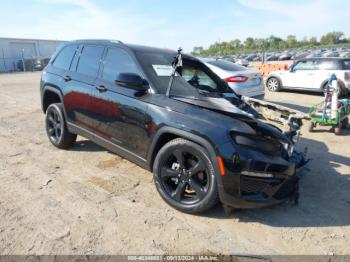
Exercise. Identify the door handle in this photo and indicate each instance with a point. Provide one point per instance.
(67, 78)
(101, 88)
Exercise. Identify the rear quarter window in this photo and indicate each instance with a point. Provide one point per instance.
(64, 58)
(346, 64)
(329, 65)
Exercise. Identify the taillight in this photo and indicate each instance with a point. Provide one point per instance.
(346, 76)
(236, 79)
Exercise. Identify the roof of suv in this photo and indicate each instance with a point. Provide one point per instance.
(109, 41)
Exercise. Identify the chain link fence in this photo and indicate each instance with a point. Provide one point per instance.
(22, 63)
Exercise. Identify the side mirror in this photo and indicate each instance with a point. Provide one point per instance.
(132, 81)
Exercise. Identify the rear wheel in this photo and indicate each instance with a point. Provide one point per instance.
(184, 176)
(273, 84)
(56, 127)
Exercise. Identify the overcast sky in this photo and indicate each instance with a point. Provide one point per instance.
(166, 23)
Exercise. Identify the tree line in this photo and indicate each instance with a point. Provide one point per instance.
(271, 43)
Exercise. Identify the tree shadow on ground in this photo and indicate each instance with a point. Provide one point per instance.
(324, 195)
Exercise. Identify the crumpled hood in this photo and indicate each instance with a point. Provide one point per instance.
(241, 111)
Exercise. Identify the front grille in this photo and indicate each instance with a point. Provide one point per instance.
(287, 188)
(251, 186)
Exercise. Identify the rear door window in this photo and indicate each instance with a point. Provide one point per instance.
(305, 65)
(117, 61)
(64, 59)
(89, 60)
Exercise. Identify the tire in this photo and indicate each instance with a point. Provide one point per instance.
(184, 176)
(311, 126)
(273, 84)
(345, 123)
(56, 127)
(338, 129)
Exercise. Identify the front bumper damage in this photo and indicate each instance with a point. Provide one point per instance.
(257, 179)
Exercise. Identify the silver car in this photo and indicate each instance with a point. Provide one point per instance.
(242, 80)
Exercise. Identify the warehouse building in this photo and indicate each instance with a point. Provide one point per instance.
(17, 53)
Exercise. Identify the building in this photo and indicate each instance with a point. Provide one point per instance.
(14, 52)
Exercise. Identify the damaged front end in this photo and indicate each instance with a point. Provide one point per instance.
(289, 121)
(262, 165)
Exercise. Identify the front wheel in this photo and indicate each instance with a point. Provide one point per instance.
(273, 84)
(56, 127)
(184, 176)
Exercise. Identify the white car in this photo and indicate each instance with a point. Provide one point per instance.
(311, 74)
(242, 80)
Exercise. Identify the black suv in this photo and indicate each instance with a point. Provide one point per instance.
(202, 142)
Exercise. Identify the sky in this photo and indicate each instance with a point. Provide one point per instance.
(170, 24)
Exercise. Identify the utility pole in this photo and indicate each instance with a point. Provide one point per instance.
(23, 64)
(3, 57)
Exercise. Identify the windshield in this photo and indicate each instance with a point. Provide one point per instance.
(193, 79)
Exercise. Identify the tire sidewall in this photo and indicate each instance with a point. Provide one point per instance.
(278, 82)
(57, 108)
(200, 206)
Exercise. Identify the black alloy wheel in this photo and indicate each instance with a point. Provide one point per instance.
(185, 177)
(56, 128)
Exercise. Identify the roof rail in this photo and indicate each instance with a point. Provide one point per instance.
(99, 40)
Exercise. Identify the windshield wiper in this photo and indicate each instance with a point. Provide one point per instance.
(176, 64)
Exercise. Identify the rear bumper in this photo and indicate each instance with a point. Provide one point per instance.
(254, 91)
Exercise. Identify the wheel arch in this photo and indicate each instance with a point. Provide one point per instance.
(274, 76)
(50, 95)
(341, 84)
(165, 134)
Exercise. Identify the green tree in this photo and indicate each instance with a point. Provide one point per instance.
(292, 41)
(249, 43)
(197, 50)
(271, 43)
(313, 41)
(332, 38)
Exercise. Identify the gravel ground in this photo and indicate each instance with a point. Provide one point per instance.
(87, 200)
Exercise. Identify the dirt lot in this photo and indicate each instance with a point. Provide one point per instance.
(89, 201)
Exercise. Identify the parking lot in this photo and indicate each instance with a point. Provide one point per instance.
(87, 200)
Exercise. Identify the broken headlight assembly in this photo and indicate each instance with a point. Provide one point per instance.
(258, 143)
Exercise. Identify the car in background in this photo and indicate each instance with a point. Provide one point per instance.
(32, 64)
(242, 62)
(311, 74)
(242, 80)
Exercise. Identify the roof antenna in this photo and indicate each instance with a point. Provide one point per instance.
(176, 63)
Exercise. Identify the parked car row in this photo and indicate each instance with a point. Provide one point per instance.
(246, 58)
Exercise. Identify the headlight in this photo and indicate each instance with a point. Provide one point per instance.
(262, 144)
